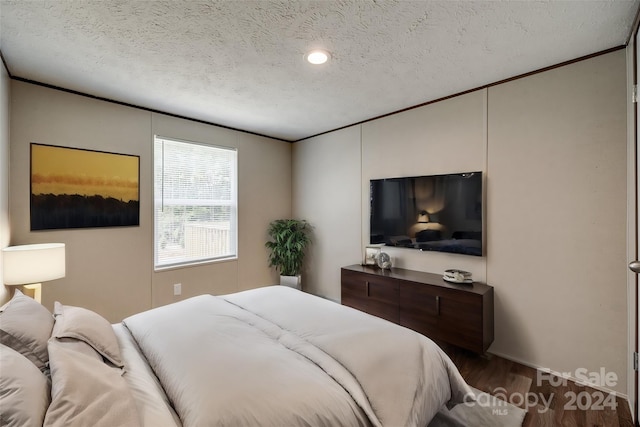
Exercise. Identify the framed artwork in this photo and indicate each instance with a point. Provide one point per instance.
(371, 255)
(77, 188)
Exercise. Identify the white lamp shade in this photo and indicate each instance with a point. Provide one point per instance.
(27, 264)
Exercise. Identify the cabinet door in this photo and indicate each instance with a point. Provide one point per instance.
(445, 315)
(372, 294)
(382, 298)
(354, 290)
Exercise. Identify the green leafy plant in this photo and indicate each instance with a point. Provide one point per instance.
(289, 239)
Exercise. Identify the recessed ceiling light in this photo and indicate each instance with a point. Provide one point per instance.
(317, 56)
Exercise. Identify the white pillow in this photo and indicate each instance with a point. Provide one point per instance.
(25, 326)
(88, 326)
(24, 390)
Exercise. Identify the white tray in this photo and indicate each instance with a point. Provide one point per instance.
(448, 279)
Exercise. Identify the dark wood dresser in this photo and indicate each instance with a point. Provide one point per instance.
(458, 314)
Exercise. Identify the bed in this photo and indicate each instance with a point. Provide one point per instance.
(271, 356)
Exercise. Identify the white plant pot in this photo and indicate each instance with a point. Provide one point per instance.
(291, 281)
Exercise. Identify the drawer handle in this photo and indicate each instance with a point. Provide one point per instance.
(367, 288)
(438, 306)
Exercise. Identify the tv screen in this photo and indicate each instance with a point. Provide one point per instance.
(430, 213)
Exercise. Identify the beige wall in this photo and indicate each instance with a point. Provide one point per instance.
(557, 219)
(444, 137)
(553, 149)
(5, 231)
(326, 192)
(264, 178)
(110, 270)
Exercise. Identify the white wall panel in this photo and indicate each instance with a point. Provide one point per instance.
(557, 217)
(439, 138)
(326, 192)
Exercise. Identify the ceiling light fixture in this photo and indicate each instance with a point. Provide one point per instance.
(317, 56)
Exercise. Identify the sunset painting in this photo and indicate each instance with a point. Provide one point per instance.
(75, 188)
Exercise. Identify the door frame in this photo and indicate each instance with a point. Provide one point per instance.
(633, 45)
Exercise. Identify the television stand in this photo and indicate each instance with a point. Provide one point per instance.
(457, 314)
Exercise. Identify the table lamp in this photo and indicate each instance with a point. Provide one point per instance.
(29, 265)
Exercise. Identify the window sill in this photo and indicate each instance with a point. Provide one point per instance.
(195, 264)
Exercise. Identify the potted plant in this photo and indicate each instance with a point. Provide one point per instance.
(289, 239)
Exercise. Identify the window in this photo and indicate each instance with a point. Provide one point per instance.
(195, 202)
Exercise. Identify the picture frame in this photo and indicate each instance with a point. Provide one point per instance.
(80, 188)
(371, 254)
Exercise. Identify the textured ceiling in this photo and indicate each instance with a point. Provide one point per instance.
(240, 63)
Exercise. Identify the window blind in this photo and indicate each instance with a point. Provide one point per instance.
(195, 202)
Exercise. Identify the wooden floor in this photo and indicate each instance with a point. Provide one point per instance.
(556, 406)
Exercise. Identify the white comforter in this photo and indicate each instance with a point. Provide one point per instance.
(279, 357)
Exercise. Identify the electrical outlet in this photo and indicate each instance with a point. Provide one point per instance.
(177, 289)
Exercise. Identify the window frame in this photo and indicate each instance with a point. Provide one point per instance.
(233, 204)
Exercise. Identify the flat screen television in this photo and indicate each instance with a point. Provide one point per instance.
(430, 213)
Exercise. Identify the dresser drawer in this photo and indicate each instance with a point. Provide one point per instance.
(442, 314)
(376, 296)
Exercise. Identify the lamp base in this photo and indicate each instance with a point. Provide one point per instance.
(34, 291)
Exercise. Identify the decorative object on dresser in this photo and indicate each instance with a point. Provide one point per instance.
(289, 240)
(29, 265)
(384, 261)
(371, 255)
(457, 276)
(458, 314)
